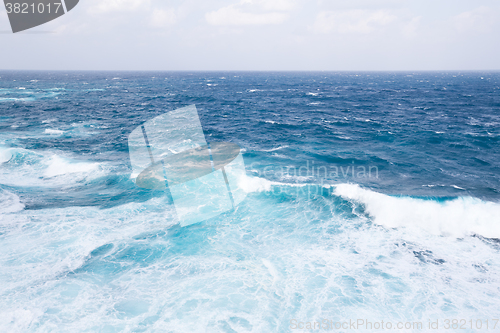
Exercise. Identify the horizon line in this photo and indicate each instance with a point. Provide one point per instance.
(253, 70)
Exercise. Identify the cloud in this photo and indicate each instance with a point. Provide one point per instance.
(277, 5)
(481, 20)
(410, 28)
(249, 12)
(163, 18)
(104, 6)
(352, 21)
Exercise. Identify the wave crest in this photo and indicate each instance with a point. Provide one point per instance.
(460, 217)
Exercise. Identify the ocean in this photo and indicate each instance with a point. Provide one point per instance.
(370, 197)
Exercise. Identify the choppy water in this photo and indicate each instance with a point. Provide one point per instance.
(370, 195)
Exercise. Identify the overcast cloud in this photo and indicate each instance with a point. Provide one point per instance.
(261, 35)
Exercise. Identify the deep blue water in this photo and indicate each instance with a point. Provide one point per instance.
(370, 195)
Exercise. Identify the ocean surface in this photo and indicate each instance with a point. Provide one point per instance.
(372, 196)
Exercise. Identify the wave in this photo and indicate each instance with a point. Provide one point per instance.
(9, 203)
(24, 95)
(5, 155)
(59, 166)
(274, 149)
(254, 184)
(460, 217)
(22, 167)
(13, 99)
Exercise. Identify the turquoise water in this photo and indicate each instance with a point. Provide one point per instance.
(369, 196)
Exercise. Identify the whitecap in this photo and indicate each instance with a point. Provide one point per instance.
(48, 169)
(5, 155)
(53, 131)
(254, 184)
(463, 216)
(10, 203)
(13, 99)
(59, 166)
(274, 149)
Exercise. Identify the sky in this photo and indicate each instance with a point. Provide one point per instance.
(268, 35)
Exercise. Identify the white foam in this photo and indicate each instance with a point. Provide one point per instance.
(257, 184)
(254, 184)
(53, 131)
(53, 242)
(274, 149)
(272, 270)
(18, 320)
(460, 217)
(47, 169)
(297, 256)
(7, 99)
(10, 203)
(5, 155)
(59, 166)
